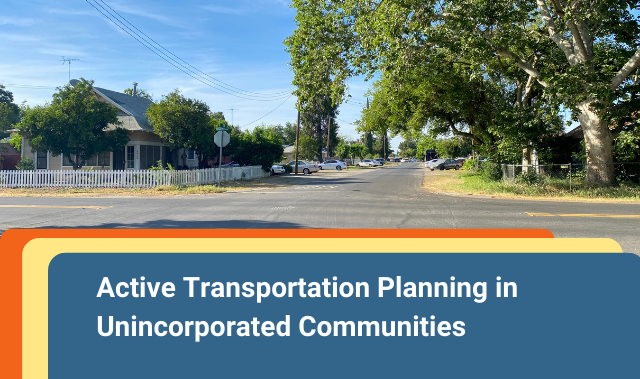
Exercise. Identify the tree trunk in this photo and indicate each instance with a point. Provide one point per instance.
(598, 141)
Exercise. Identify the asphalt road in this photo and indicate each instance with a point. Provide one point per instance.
(391, 197)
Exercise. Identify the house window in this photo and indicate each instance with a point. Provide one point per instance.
(41, 161)
(130, 156)
(104, 159)
(191, 155)
(149, 156)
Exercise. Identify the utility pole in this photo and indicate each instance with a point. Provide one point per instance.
(68, 60)
(295, 170)
(329, 139)
(384, 146)
(232, 109)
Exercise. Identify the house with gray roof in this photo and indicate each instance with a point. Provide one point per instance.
(144, 150)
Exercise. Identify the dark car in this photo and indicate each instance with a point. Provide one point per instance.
(448, 164)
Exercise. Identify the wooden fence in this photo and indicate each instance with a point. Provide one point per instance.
(125, 178)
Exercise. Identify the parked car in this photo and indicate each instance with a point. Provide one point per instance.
(304, 167)
(461, 160)
(231, 164)
(433, 163)
(404, 160)
(277, 169)
(414, 160)
(368, 163)
(444, 164)
(332, 165)
(379, 160)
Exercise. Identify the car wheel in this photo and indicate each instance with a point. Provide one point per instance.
(431, 169)
(320, 167)
(457, 167)
(306, 171)
(339, 168)
(272, 173)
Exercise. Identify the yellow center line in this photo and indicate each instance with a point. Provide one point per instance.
(580, 215)
(57, 206)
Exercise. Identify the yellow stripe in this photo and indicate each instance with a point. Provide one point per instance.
(56, 206)
(580, 215)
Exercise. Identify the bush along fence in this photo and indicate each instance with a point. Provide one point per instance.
(570, 172)
(125, 178)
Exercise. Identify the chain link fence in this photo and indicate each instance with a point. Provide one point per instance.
(569, 173)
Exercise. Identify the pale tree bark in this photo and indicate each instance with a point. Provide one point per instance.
(579, 50)
(598, 143)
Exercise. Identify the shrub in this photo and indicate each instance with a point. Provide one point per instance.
(288, 169)
(530, 178)
(470, 165)
(491, 171)
(26, 164)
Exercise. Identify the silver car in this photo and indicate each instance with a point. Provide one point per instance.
(304, 167)
(277, 169)
(369, 163)
(332, 165)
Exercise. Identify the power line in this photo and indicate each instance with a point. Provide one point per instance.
(230, 87)
(26, 86)
(269, 112)
(172, 61)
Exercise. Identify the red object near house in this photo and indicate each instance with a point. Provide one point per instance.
(214, 162)
(9, 157)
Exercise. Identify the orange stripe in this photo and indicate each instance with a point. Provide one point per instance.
(13, 241)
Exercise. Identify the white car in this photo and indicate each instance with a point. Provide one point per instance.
(304, 167)
(277, 169)
(368, 163)
(432, 164)
(403, 160)
(332, 165)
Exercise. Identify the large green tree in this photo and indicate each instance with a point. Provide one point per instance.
(75, 124)
(9, 111)
(261, 146)
(184, 123)
(579, 53)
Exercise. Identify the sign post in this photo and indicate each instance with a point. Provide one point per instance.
(221, 139)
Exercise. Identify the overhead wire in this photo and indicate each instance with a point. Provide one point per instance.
(171, 61)
(273, 110)
(26, 86)
(230, 87)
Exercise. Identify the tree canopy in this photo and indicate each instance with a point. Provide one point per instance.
(532, 56)
(9, 111)
(184, 123)
(75, 124)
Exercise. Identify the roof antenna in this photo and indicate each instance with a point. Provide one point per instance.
(68, 60)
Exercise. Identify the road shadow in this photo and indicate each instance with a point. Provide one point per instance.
(174, 224)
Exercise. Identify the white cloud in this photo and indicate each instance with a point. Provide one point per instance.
(16, 21)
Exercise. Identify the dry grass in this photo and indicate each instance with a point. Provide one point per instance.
(467, 184)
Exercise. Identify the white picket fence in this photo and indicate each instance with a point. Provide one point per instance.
(125, 178)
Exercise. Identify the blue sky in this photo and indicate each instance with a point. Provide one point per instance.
(238, 42)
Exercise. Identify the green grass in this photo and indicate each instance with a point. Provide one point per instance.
(471, 182)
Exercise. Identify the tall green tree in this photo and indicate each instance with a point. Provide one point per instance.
(580, 54)
(318, 123)
(184, 123)
(9, 111)
(75, 124)
(262, 146)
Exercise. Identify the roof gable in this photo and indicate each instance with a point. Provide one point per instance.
(133, 106)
